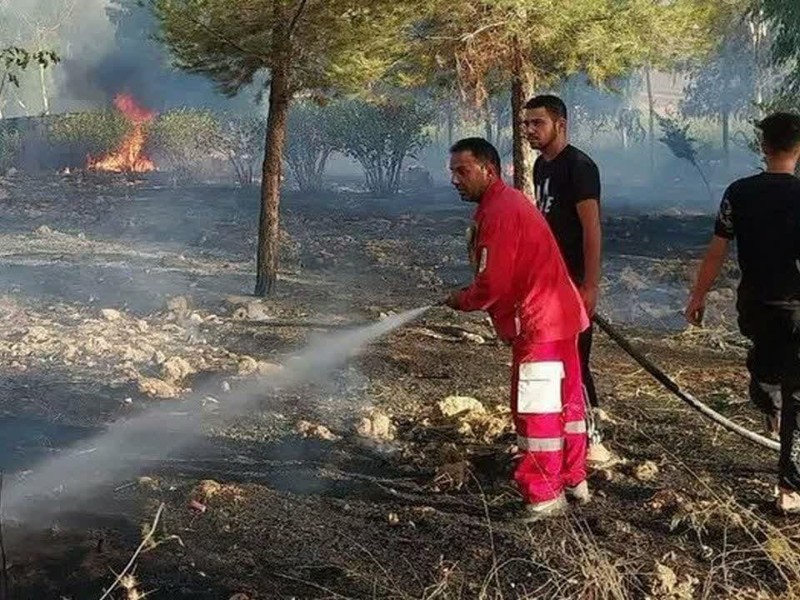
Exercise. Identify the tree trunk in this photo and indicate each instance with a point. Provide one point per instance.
(487, 122)
(651, 121)
(268, 228)
(45, 99)
(726, 138)
(450, 126)
(521, 88)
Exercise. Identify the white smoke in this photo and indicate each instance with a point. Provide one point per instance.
(112, 455)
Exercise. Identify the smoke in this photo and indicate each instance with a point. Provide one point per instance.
(117, 453)
(106, 47)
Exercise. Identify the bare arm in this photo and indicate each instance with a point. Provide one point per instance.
(710, 269)
(589, 214)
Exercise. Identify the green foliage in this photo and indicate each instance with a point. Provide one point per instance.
(89, 133)
(14, 59)
(183, 138)
(681, 144)
(677, 138)
(602, 38)
(784, 16)
(725, 85)
(241, 138)
(380, 137)
(332, 45)
(310, 142)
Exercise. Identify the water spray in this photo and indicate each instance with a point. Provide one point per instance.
(116, 454)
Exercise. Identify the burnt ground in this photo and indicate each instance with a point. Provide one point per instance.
(356, 485)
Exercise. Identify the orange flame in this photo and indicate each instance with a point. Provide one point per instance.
(129, 156)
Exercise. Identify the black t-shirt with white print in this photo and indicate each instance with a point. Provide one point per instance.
(560, 185)
(762, 213)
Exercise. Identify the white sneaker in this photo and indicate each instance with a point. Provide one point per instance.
(544, 510)
(579, 493)
(598, 455)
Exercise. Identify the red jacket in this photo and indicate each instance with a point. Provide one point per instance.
(521, 279)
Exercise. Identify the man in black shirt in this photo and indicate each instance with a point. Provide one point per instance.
(567, 185)
(762, 213)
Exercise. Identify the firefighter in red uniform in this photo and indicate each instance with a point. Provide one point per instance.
(522, 282)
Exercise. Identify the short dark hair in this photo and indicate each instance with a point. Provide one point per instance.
(780, 131)
(552, 104)
(481, 149)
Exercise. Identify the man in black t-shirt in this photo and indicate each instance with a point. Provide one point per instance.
(567, 186)
(762, 213)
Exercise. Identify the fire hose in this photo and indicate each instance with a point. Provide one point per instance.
(673, 387)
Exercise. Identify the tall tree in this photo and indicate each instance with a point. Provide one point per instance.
(298, 46)
(784, 16)
(724, 87)
(527, 45)
(15, 60)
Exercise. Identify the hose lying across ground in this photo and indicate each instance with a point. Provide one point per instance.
(673, 387)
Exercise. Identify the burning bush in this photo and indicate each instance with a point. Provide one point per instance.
(88, 133)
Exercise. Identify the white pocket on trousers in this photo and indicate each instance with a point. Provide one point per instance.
(540, 387)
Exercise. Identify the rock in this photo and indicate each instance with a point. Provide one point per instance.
(472, 337)
(264, 368)
(632, 281)
(37, 334)
(11, 172)
(196, 319)
(44, 231)
(97, 345)
(207, 489)
(451, 476)
(157, 388)
(377, 427)
(176, 370)
(647, 471)
(142, 326)
(178, 304)
(256, 311)
(393, 519)
(225, 386)
(666, 586)
(307, 429)
(148, 482)
(454, 405)
(159, 357)
(109, 314)
(247, 365)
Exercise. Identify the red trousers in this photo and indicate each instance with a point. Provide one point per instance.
(547, 402)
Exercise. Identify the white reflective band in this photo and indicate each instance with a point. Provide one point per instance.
(484, 259)
(575, 427)
(540, 444)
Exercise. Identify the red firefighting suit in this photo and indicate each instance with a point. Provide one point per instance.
(522, 282)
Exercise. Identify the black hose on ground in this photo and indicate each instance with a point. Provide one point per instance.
(673, 387)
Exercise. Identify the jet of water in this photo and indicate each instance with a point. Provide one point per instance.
(111, 456)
